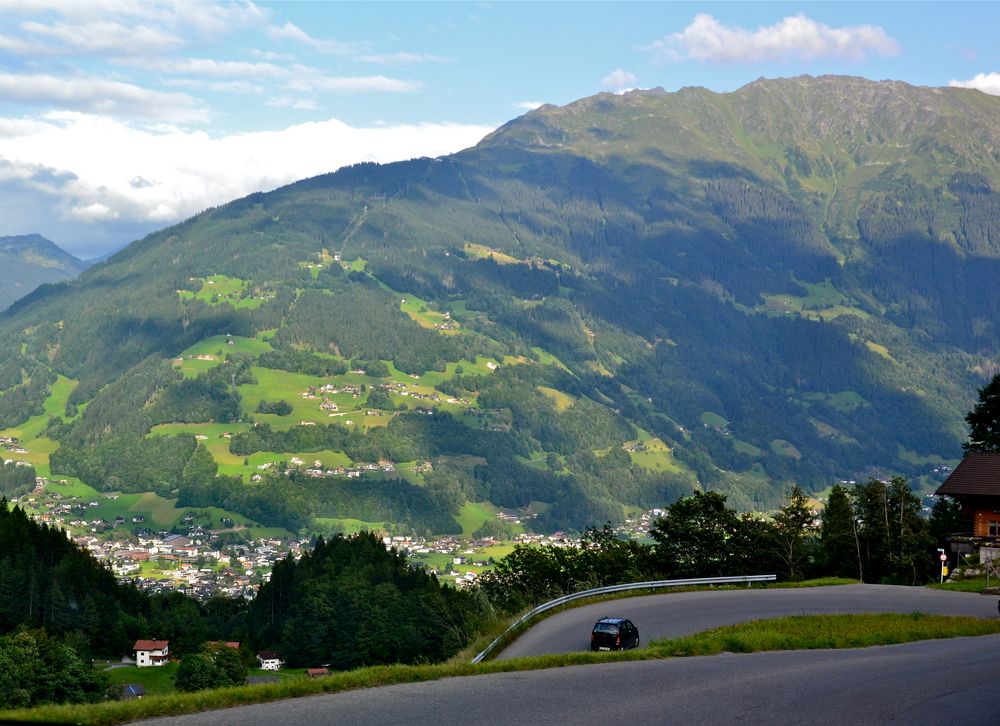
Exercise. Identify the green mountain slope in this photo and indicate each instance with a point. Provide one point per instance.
(600, 306)
(27, 261)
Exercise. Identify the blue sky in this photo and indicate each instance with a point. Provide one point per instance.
(118, 117)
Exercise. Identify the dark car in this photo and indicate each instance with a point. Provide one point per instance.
(614, 634)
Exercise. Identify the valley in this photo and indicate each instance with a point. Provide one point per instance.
(557, 321)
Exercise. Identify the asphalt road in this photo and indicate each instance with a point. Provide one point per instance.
(933, 682)
(671, 615)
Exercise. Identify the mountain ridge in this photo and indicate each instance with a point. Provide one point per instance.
(27, 261)
(765, 306)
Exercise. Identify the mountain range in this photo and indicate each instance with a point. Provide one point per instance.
(601, 306)
(27, 261)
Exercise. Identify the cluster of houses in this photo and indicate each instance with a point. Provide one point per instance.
(13, 445)
(317, 469)
(193, 564)
(154, 653)
(402, 389)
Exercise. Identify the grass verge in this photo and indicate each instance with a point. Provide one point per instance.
(970, 584)
(792, 633)
(808, 632)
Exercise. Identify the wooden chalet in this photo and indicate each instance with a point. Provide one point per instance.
(975, 484)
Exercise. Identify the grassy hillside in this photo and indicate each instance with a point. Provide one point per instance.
(601, 306)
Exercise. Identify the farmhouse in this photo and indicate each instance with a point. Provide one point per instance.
(269, 660)
(151, 652)
(975, 483)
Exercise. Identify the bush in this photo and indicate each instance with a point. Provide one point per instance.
(215, 666)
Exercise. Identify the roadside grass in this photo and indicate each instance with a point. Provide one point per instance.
(808, 632)
(969, 584)
(793, 633)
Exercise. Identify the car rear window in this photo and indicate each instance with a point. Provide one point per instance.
(606, 628)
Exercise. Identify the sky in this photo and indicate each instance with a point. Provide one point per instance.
(120, 117)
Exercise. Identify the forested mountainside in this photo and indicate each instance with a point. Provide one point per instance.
(27, 261)
(601, 306)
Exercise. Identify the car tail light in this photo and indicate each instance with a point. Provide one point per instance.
(618, 641)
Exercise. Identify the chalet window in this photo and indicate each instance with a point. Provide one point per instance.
(994, 528)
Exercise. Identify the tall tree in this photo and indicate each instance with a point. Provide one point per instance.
(839, 536)
(946, 518)
(893, 540)
(984, 419)
(910, 542)
(695, 537)
(793, 534)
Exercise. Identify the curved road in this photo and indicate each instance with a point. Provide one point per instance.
(672, 615)
(933, 682)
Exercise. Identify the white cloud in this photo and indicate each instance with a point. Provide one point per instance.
(528, 105)
(18, 45)
(314, 81)
(296, 103)
(706, 39)
(400, 59)
(238, 87)
(985, 82)
(214, 68)
(106, 37)
(167, 174)
(207, 18)
(97, 95)
(94, 211)
(618, 81)
(291, 31)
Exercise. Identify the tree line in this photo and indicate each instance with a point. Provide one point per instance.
(872, 532)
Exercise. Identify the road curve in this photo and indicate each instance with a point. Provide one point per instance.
(953, 681)
(671, 615)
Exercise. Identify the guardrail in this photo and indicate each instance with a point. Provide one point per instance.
(733, 580)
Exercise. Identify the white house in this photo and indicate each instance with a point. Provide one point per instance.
(151, 652)
(269, 660)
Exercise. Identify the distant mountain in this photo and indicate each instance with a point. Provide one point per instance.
(27, 261)
(601, 306)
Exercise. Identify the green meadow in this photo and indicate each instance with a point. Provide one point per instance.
(655, 455)
(220, 289)
(472, 515)
(213, 351)
(822, 302)
(421, 312)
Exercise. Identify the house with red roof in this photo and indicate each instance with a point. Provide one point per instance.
(151, 653)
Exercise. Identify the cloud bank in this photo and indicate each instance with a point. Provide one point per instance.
(157, 176)
(985, 82)
(618, 81)
(797, 36)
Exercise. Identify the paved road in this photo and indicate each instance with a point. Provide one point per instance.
(671, 615)
(934, 682)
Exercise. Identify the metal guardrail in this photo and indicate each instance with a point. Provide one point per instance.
(733, 580)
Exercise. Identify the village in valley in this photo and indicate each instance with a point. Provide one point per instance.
(203, 561)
